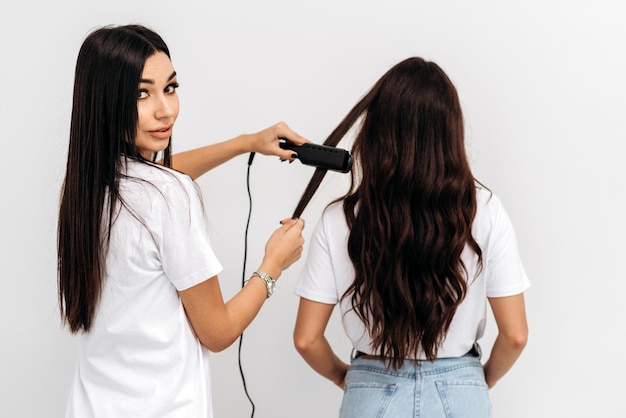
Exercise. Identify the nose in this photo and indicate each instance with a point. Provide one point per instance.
(166, 107)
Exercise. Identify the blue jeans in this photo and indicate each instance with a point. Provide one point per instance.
(446, 388)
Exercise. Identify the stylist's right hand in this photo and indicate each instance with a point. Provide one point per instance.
(284, 246)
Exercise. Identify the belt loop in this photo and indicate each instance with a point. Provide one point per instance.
(477, 350)
(355, 354)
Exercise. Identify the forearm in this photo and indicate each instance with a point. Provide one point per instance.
(309, 339)
(510, 315)
(320, 356)
(504, 354)
(198, 161)
(218, 324)
(244, 306)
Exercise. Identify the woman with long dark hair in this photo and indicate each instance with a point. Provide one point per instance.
(412, 254)
(137, 276)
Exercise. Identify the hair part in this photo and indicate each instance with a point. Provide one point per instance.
(410, 214)
(102, 136)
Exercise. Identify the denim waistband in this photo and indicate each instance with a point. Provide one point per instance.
(475, 351)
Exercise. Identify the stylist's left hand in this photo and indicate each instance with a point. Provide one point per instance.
(266, 141)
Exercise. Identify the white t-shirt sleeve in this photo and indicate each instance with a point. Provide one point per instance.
(505, 275)
(317, 280)
(184, 246)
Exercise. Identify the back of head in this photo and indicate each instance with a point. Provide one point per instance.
(412, 133)
(103, 127)
(411, 112)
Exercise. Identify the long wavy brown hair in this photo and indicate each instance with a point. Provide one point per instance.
(410, 209)
(102, 133)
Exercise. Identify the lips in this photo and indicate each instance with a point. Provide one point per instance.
(162, 133)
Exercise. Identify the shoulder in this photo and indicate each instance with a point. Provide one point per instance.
(488, 205)
(332, 225)
(488, 214)
(158, 177)
(333, 210)
(486, 198)
(333, 215)
(155, 173)
(492, 221)
(153, 187)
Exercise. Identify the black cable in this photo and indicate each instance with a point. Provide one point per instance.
(243, 278)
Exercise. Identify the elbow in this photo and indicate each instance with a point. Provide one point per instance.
(517, 341)
(213, 347)
(214, 343)
(303, 343)
(521, 341)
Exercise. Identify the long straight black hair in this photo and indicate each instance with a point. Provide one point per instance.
(102, 134)
(410, 209)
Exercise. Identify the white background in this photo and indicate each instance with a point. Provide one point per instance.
(543, 88)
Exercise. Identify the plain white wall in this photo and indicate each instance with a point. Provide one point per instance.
(543, 88)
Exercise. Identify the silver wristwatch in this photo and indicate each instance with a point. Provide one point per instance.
(269, 282)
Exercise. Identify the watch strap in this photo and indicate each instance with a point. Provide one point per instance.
(269, 282)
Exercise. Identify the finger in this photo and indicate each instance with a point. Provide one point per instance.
(297, 138)
(295, 224)
(298, 223)
(285, 155)
(284, 131)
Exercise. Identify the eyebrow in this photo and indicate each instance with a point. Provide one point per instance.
(150, 81)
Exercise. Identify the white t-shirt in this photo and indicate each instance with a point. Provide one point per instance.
(328, 273)
(141, 358)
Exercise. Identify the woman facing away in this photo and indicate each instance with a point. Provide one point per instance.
(412, 254)
(137, 274)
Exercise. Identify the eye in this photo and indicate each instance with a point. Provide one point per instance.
(142, 94)
(171, 88)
